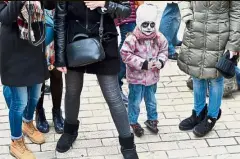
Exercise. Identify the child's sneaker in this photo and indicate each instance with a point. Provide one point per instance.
(152, 125)
(138, 130)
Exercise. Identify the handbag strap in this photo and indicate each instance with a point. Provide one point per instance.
(101, 28)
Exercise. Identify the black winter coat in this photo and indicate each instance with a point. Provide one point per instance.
(22, 64)
(73, 17)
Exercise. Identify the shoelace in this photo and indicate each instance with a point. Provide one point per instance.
(32, 127)
(22, 146)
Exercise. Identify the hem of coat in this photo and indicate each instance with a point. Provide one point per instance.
(11, 84)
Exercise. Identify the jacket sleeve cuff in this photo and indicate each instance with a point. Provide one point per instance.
(145, 65)
(161, 63)
(59, 64)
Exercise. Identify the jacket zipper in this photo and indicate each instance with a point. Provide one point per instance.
(205, 40)
(87, 33)
(87, 19)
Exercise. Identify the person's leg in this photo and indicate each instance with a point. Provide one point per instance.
(237, 69)
(215, 96)
(151, 107)
(200, 93)
(28, 128)
(111, 93)
(124, 29)
(74, 85)
(200, 107)
(136, 94)
(216, 88)
(56, 87)
(19, 98)
(16, 109)
(169, 25)
(7, 95)
(176, 23)
(41, 121)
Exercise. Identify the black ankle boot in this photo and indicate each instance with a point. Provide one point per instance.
(193, 120)
(69, 135)
(58, 120)
(206, 125)
(41, 122)
(128, 148)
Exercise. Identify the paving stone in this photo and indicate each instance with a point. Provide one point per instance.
(211, 151)
(98, 151)
(77, 153)
(94, 120)
(153, 155)
(189, 144)
(228, 133)
(174, 136)
(221, 142)
(4, 150)
(233, 149)
(49, 146)
(87, 143)
(162, 146)
(182, 153)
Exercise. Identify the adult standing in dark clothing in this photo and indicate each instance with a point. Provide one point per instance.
(72, 18)
(23, 69)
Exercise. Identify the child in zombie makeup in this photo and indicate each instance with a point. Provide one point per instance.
(145, 52)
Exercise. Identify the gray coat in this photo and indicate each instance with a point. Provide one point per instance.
(211, 28)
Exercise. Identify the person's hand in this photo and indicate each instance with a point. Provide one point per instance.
(158, 64)
(233, 53)
(62, 69)
(94, 4)
(150, 65)
(50, 67)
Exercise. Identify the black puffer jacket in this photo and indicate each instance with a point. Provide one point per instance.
(72, 18)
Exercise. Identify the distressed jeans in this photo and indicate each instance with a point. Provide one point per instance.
(216, 87)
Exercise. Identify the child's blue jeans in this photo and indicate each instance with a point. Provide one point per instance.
(136, 93)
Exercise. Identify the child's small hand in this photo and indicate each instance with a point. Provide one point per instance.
(150, 65)
(158, 64)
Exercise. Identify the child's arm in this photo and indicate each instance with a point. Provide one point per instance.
(163, 49)
(128, 56)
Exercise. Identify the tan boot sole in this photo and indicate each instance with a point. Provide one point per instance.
(35, 142)
(12, 154)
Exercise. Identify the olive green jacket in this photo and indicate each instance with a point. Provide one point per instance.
(211, 28)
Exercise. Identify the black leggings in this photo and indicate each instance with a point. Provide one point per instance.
(56, 87)
(111, 92)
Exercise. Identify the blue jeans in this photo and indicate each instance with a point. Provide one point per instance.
(124, 29)
(170, 24)
(136, 93)
(237, 69)
(22, 106)
(7, 95)
(216, 87)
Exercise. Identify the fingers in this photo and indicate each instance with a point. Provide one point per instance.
(62, 69)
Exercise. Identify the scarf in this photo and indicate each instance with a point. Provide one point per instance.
(140, 36)
(22, 20)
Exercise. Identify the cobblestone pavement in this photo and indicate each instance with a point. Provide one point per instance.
(98, 137)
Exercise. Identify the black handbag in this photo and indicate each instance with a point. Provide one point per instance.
(226, 66)
(83, 50)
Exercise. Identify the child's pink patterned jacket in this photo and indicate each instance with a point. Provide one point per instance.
(136, 49)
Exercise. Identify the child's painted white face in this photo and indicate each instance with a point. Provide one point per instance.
(148, 27)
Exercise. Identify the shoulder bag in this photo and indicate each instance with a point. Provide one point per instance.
(84, 50)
